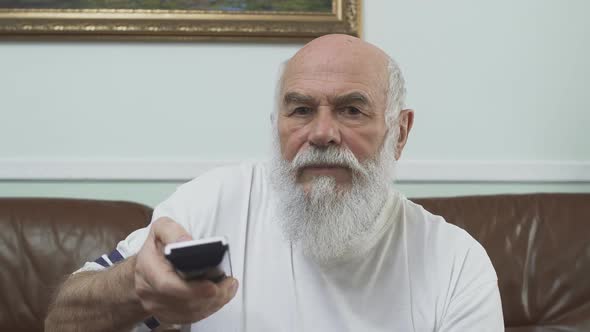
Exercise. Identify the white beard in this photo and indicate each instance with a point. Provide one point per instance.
(328, 219)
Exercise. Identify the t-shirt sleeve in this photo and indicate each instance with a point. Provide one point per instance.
(195, 205)
(475, 301)
(476, 310)
(132, 243)
(178, 207)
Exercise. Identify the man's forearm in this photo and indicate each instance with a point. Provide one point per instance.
(97, 301)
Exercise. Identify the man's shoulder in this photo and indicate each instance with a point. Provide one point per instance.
(226, 176)
(215, 199)
(422, 222)
(217, 187)
(453, 268)
(446, 243)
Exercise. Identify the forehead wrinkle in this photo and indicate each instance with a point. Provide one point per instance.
(368, 82)
(350, 98)
(295, 97)
(323, 71)
(300, 81)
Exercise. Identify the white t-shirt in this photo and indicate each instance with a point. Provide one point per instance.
(415, 272)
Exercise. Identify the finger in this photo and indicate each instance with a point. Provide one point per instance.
(167, 231)
(174, 287)
(230, 287)
(196, 307)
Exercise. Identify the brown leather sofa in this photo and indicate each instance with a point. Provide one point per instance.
(538, 243)
(42, 240)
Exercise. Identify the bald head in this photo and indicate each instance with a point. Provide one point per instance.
(342, 48)
(341, 54)
(344, 53)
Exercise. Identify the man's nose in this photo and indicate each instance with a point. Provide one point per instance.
(324, 129)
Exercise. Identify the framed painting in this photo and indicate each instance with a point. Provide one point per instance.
(178, 19)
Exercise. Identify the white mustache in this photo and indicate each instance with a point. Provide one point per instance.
(329, 156)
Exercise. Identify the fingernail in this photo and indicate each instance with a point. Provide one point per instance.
(234, 287)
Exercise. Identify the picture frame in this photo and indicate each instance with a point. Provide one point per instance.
(344, 17)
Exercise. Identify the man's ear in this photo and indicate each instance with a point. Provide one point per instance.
(404, 123)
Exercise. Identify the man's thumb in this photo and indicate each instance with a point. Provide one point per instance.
(167, 231)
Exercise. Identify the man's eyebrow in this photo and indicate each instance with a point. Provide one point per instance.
(351, 98)
(297, 98)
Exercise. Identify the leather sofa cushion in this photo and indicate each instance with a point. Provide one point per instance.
(540, 247)
(43, 240)
(538, 243)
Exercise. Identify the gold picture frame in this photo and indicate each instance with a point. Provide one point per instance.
(160, 24)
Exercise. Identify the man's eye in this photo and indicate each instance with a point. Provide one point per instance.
(299, 111)
(351, 111)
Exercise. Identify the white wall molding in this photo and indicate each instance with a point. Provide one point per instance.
(494, 171)
(183, 169)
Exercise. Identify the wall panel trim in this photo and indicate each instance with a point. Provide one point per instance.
(163, 169)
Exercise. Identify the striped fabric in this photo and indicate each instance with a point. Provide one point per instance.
(113, 258)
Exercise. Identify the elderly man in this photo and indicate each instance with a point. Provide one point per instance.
(320, 241)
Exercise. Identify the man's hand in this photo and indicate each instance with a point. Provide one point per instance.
(166, 295)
